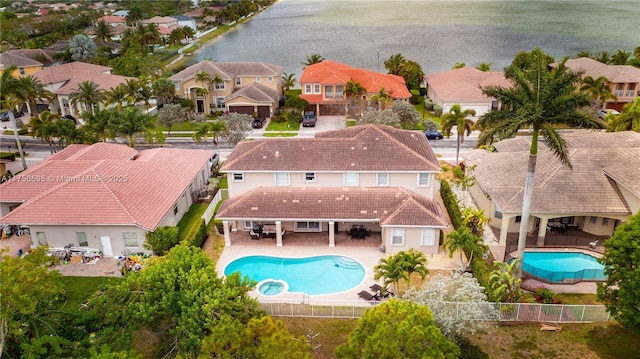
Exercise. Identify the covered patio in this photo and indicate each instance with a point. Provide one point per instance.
(308, 239)
(571, 237)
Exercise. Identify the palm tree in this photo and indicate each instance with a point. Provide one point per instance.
(475, 220)
(32, 90)
(101, 122)
(413, 261)
(505, 283)
(390, 269)
(583, 53)
(464, 241)
(135, 14)
(621, 57)
(132, 121)
(394, 64)
(484, 67)
(383, 97)
(459, 65)
(538, 99)
(458, 118)
(201, 132)
(313, 59)
(628, 120)
(89, 93)
(11, 97)
(353, 90)
(103, 31)
(144, 94)
(598, 90)
(41, 127)
(118, 95)
(288, 80)
(603, 57)
(189, 33)
(163, 90)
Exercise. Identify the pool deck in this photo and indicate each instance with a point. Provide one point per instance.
(367, 253)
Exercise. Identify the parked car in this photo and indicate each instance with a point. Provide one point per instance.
(604, 113)
(70, 118)
(309, 119)
(4, 116)
(433, 135)
(214, 161)
(258, 122)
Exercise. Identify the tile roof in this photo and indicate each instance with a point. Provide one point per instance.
(11, 58)
(228, 70)
(334, 73)
(464, 84)
(113, 19)
(78, 188)
(73, 73)
(159, 20)
(358, 148)
(599, 161)
(255, 92)
(31, 53)
(613, 73)
(391, 206)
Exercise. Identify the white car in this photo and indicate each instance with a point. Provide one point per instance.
(604, 113)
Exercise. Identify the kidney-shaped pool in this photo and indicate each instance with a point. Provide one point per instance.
(311, 275)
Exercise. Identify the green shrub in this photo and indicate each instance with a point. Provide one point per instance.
(10, 156)
(451, 203)
(458, 172)
(162, 240)
(437, 109)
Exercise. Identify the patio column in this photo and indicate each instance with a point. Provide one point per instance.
(542, 232)
(279, 233)
(227, 236)
(332, 234)
(503, 229)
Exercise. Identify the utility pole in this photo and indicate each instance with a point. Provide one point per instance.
(378, 59)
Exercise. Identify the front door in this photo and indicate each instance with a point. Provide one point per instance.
(106, 246)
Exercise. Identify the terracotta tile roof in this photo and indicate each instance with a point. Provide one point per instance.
(357, 148)
(77, 188)
(228, 70)
(11, 58)
(613, 73)
(31, 53)
(159, 20)
(390, 206)
(464, 84)
(113, 19)
(334, 73)
(599, 161)
(73, 73)
(255, 92)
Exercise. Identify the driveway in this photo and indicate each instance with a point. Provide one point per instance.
(324, 123)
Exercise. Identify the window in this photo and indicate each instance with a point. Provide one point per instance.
(258, 79)
(42, 238)
(316, 88)
(247, 224)
(220, 86)
(397, 236)
(351, 179)
(219, 102)
(382, 179)
(424, 179)
(497, 214)
(428, 237)
(282, 179)
(270, 78)
(518, 219)
(605, 221)
(238, 81)
(328, 92)
(308, 226)
(310, 176)
(339, 91)
(307, 88)
(82, 239)
(175, 209)
(238, 177)
(593, 219)
(22, 71)
(130, 239)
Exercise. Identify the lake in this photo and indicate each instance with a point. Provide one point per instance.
(436, 34)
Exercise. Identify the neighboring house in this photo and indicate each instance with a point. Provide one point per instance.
(323, 85)
(601, 190)
(464, 86)
(122, 13)
(623, 80)
(246, 87)
(185, 21)
(41, 55)
(161, 21)
(379, 177)
(113, 20)
(64, 79)
(105, 196)
(25, 65)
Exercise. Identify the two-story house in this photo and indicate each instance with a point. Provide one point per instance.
(25, 66)
(105, 196)
(253, 88)
(379, 178)
(623, 80)
(323, 85)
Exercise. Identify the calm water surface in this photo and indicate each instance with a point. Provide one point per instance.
(436, 34)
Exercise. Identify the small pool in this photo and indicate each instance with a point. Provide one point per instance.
(562, 267)
(311, 275)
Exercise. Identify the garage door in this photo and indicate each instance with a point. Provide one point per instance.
(337, 109)
(242, 109)
(264, 112)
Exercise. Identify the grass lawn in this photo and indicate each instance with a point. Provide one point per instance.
(79, 289)
(282, 126)
(333, 332)
(190, 219)
(278, 134)
(180, 126)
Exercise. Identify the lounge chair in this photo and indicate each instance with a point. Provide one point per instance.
(380, 291)
(593, 244)
(254, 235)
(367, 296)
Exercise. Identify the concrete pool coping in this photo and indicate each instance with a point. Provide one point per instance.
(367, 256)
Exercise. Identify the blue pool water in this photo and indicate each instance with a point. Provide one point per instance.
(558, 267)
(312, 275)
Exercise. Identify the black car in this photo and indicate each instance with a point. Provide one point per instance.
(70, 118)
(433, 134)
(258, 122)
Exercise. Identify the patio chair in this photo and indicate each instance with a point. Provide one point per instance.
(367, 296)
(254, 235)
(593, 244)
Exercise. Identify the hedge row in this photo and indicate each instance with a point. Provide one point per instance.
(451, 203)
(197, 235)
(7, 156)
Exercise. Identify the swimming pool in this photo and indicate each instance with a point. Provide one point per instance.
(311, 275)
(563, 267)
